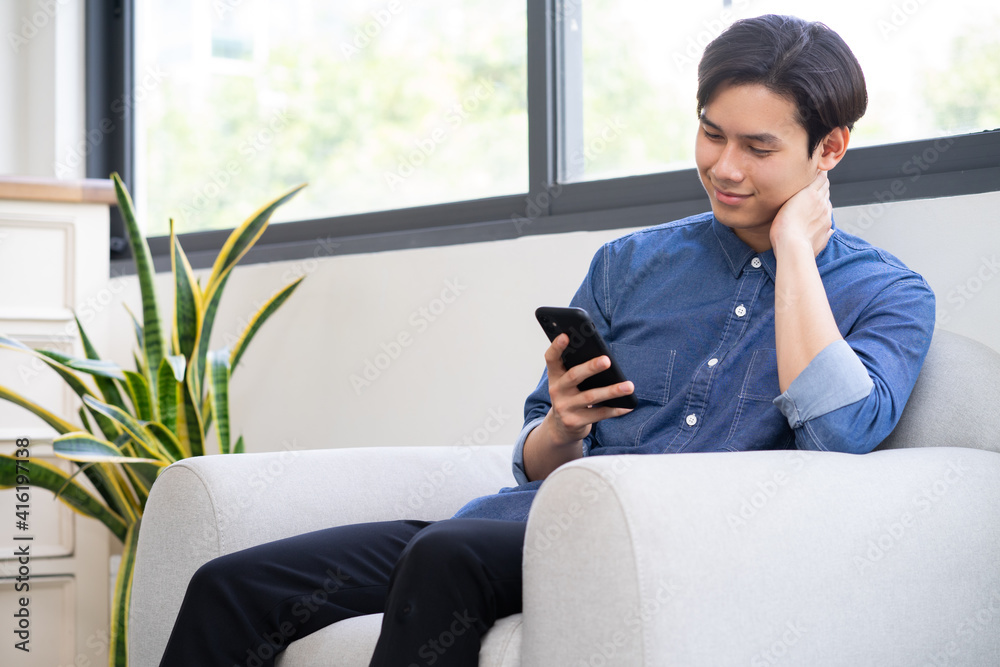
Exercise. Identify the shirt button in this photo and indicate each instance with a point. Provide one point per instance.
(691, 420)
(755, 262)
(740, 310)
(713, 361)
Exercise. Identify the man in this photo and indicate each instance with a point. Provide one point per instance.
(755, 326)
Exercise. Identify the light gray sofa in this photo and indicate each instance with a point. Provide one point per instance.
(763, 558)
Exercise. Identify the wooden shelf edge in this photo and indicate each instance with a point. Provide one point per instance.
(87, 190)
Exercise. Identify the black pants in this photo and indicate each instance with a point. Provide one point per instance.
(441, 586)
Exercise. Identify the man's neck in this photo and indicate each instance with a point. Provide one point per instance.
(758, 239)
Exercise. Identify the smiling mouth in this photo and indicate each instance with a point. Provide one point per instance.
(729, 198)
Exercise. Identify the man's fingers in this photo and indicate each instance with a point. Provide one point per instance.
(557, 346)
(576, 407)
(595, 396)
(581, 372)
(567, 384)
(596, 414)
(553, 354)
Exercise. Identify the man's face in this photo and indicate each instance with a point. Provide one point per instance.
(751, 156)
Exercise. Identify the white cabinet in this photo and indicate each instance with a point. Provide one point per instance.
(53, 261)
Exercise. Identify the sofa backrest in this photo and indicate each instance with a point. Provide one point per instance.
(956, 400)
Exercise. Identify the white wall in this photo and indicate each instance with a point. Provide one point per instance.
(42, 76)
(483, 353)
(954, 242)
(12, 107)
(477, 356)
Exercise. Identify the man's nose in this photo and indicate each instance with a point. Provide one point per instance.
(728, 167)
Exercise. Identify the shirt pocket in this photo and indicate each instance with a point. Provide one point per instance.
(649, 368)
(758, 424)
(761, 380)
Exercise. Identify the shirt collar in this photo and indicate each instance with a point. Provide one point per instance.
(738, 254)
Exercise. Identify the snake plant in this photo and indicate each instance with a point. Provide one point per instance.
(134, 423)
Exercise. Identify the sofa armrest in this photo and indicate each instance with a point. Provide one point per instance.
(813, 558)
(205, 507)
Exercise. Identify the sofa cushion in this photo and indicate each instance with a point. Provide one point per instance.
(954, 401)
(351, 643)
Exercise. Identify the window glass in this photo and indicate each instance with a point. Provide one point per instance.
(377, 104)
(932, 69)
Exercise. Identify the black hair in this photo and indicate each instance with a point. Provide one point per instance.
(804, 61)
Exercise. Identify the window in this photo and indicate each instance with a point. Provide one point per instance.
(932, 69)
(439, 122)
(378, 104)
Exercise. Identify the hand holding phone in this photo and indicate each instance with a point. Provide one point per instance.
(575, 408)
(585, 344)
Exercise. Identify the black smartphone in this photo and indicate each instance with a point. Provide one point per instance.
(585, 343)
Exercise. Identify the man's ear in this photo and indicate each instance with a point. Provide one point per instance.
(832, 148)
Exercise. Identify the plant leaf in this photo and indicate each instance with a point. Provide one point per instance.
(49, 357)
(219, 362)
(238, 449)
(258, 320)
(187, 298)
(14, 344)
(95, 367)
(140, 365)
(82, 413)
(45, 475)
(190, 429)
(152, 331)
(84, 468)
(243, 237)
(139, 335)
(54, 361)
(56, 422)
(196, 374)
(139, 393)
(238, 244)
(149, 448)
(178, 365)
(107, 387)
(140, 475)
(169, 393)
(170, 446)
(81, 446)
(118, 651)
(107, 479)
(141, 482)
(99, 474)
(206, 413)
(104, 369)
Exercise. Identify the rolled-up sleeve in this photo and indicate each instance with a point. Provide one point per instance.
(851, 395)
(834, 378)
(518, 460)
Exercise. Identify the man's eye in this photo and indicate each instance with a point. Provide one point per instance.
(760, 151)
(712, 136)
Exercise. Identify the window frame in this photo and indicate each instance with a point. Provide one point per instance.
(940, 167)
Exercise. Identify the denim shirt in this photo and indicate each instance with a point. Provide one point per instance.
(688, 310)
